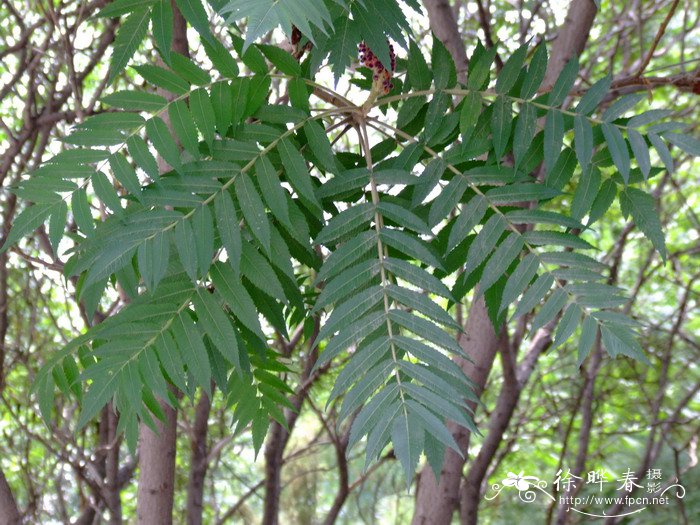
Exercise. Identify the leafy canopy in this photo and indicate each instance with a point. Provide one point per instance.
(264, 221)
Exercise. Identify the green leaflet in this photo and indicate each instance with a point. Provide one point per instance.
(253, 209)
(217, 326)
(641, 207)
(128, 39)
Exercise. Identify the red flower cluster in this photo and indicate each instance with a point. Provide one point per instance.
(381, 75)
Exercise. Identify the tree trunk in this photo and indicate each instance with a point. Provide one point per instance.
(157, 466)
(571, 38)
(157, 451)
(198, 461)
(9, 513)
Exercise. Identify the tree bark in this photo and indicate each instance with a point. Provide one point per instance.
(571, 38)
(198, 461)
(157, 465)
(157, 451)
(9, 513)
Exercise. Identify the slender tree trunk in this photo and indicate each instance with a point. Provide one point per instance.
(571, 38)
(198, 461)
(157, 451)
(9, 513)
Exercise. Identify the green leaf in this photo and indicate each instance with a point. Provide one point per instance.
(583, 140)
(217, 326)
(589, 329)
(153, 255)
(81, 211)
(203, 229)
(553, 138)
(143, 158)
(501, 259)
(105, 192)
(194, 13)
(162, 27)
(480, 66)
(641, 207)
(519, 280)
(622, 105)
(421, 303)
(162, 140)
(595, 94)
(184, 127)
(253, 209)
(518, 192)
(135, 101)
(525, 129)
(564, 83)
(285, 62)
(620, 340)
(446, 200)
(229, 228)
(511, 70)
(416, 276)
(320, 146)
(347, 254)
(586, 192)
(689, 144)
(98, 395)
(188, 70)
(444, 72)
(259, 272)
(346, 222)
(407, 437)
(403, 217)
(469, 115)
(640, 151)
(426, 330)
(567, 325)
(566, 240)
(603, 200)
(27, 221)
(347, 282)
(121, 7)
(298, 173)
(470, 215)
(662, 150)
(57, 224)
(618, 149)
(128, 39)
(192, 349)
(501, 123)
(203, 114)
(410, 245)
(221, 58)
(534, 294)
(354, 308)
(163, 78)
(484, 242)
(419, 75)
(272, 190)
(535, 72)
(265, 15)
(186, 248)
